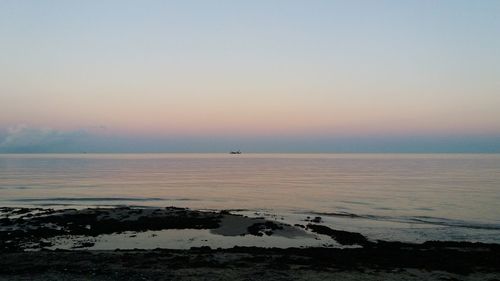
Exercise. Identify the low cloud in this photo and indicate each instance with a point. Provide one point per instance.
(26, 139)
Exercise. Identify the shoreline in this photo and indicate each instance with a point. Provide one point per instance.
(30, 243)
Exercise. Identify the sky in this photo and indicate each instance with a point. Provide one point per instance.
(260, 76)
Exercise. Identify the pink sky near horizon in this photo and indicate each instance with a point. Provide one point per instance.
(162, 69)
(266, 120)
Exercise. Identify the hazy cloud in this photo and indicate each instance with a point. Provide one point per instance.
(24, 138)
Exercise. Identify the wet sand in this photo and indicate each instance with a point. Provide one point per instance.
(30, 249)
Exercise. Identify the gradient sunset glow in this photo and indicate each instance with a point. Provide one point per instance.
(264, 75)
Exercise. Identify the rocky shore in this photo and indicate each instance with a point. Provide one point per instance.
(30, 249)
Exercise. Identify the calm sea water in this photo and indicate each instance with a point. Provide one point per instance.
(411, 197)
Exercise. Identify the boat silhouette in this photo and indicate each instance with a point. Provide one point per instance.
(235, 152)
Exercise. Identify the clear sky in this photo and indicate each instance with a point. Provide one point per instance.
(269, 75)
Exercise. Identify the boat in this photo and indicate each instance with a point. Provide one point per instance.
(235, 152)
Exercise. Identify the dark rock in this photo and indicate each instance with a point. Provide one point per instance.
(45, 244)
(20, 211)
(6, 221)
(94, 222)
(341, 236)
(316, 220)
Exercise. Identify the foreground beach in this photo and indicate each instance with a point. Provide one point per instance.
(71, 244)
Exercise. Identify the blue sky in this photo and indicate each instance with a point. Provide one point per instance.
(288, 76)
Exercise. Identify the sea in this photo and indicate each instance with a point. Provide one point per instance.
(397, 197)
